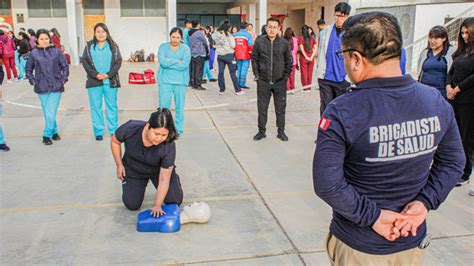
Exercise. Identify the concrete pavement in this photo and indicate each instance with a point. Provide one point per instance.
(61, 204)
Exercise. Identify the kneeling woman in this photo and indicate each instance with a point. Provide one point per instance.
(150, 153)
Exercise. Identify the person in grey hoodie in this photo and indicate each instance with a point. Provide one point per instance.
(436, 60)
(199, 54)
(225, 45)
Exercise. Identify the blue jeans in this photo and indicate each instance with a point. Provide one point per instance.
(222, 61)
(166, 93)
(212, 54)
(50, 103)
(96, 94)
(242, 70)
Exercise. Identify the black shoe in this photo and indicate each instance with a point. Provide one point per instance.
(204, 81)
(462, 182)
(260, 135)
(47, 141)
(4, 147)
(99, 138)
(200, 88)
(213, 80)
(245, 87)
(281, 135)
(56, 137)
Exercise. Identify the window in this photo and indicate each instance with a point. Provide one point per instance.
(5, 8)
(46, 8)
(93, 7)
(143, 8)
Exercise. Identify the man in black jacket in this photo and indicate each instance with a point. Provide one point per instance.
(271, 64)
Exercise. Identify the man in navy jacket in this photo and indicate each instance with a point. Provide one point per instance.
(387, 152)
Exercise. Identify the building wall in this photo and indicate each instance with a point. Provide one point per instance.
(134, 33)
(202, 9)
(298, 15)
(437, 14)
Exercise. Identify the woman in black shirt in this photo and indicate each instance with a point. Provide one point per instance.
(150, 153)
(460, 90)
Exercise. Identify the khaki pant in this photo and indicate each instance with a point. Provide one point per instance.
(341, 254)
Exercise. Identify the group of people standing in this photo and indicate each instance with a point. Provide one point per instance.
(377, 222)
(15, 51)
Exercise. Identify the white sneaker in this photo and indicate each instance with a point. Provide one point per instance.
(306, 91)
(15, 80)
(9, 81)
(240, 93)
(471, 191)
(221, 93)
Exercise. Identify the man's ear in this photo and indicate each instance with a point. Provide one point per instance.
(358, 59)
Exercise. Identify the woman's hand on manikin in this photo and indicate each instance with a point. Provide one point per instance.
(157, 211)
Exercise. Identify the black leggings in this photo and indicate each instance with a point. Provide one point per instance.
(133, 191)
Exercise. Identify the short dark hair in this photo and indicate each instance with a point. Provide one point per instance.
(321, 22)
(31, 32)
(24, 35)
(195, 23)
(274, 20)
(343, 7)
(376, 35)
(178, 30)
(225, 27)
(42, 31)
(439, 32)
(162, 118)
(187, 21)
(244, 25)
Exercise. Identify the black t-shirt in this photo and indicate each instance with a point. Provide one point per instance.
(141, 161)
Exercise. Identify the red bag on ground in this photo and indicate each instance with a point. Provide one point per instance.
(148, 77)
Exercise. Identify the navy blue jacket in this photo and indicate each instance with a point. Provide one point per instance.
(50, 70)
(386, 143)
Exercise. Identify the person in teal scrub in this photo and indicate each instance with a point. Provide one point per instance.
(102, 60)
(173, 75)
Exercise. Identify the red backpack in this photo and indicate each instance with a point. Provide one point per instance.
(148, 77)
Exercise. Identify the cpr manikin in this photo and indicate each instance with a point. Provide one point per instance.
(197, 212)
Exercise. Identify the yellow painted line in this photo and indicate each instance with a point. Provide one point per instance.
(117, 204)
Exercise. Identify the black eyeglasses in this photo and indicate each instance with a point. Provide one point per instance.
(341, 52)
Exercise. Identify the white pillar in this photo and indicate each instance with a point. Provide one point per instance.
(262, 13)
(170, 15)
(251, 15)
(72, 31)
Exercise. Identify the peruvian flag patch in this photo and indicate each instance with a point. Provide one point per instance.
(324, 123)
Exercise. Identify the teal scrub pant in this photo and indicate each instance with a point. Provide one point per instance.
(21, 68)
(2, 137)
(96, 94)
(242, 71)
(207, 71)
(49, 104)
(166, 93)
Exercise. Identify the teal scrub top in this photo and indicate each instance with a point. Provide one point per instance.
(174, 65)
(102, 58)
